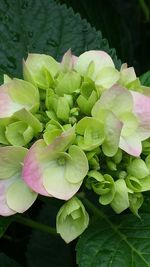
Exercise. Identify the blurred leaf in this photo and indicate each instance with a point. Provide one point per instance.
(5, 261)
(47, 250)
(43, 27)
(145, 78)
(4, 223)
(120, 241)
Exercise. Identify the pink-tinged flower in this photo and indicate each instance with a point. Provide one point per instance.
(18, 94)
(51, 171)
(98, 66)
(15, 195)
(132, 110)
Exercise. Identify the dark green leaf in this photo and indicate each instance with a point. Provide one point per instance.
(4, 223)
(145, 78)
(5, 261)
(47, 250)
(43, 27)
(123, 241)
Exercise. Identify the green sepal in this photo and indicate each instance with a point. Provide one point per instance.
(120, 201)
(106, 190)
(69, 83)
(133, 183)
(136, 201)
(138, 168)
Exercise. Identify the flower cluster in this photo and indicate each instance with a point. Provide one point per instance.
(80, 121)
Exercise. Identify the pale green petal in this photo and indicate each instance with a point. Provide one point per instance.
(92, 131)
(7, 79)
(131, 144)
(127, 75)
(19, 133)
(19, 196)
(138, 168)
(77, 166)
(145, 184)
(107, 77)
(100, 60)
(29, 118)
(63, 109)
(11, 160)
(112, 132)
(121, 199)
(40, 69)
(50, 135)
(68, 84)
(55, 183)
(116, 99)
(24, 93)
(130, 123)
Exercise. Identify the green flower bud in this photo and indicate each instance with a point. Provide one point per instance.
(120, 201)
(111, 165)
(117, 157)
(87, 98)
(106, 190)
(93, 180)
(72, 220)
(122, 175)
(136, 201)
(68, 84)
(19, 133)
(146, 147)
(133, 183)
(138, 168)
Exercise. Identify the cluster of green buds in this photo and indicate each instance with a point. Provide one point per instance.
(71, 123)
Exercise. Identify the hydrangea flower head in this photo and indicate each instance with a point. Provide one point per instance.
(70, 125)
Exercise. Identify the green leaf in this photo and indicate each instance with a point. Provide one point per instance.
(145, 78)
(4, 223)
(120, 241)
(44, 249)
(5, 261)
(43, 27)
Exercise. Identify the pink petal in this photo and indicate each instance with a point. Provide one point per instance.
(32, 170)
(141, 108)
(131, 144)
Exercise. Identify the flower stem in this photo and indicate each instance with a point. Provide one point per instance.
(33, 224)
